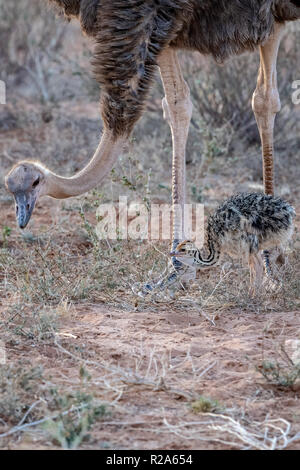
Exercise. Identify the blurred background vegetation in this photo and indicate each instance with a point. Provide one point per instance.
(53, 113)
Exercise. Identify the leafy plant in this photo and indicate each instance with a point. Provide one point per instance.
(79, 411)
(284, 373)
(206, 405)
(6, 231)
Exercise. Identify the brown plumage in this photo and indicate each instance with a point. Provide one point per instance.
(130, 35)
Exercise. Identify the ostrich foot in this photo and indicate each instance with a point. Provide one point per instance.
(268, 285)
(272, 285)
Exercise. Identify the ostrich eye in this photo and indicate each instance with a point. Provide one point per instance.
(36, 182)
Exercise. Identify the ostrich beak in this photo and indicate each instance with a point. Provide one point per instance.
(175, 254)
(25, 203)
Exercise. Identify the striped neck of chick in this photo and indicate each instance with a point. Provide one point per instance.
(212, 246)
(191, 256)
(199, 259)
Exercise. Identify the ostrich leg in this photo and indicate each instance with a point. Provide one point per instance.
(177, 108)
(266, 104)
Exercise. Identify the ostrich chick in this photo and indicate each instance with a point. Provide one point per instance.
(241, 227)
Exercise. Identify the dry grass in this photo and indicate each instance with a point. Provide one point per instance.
(61, 389)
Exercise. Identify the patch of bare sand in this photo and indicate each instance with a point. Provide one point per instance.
(214, 361)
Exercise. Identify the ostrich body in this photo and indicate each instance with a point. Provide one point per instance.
(241, 227)
(132, 38)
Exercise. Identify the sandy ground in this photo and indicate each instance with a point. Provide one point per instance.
(194, 358)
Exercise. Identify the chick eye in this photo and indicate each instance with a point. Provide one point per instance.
(36, 182)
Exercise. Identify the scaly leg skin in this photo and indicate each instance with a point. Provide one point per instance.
(270, 283)
(256, 274)
(266, 104)
(177, 108)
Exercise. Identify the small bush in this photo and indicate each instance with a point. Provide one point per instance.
(206, 405)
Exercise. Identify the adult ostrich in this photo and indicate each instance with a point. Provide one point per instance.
(133, 37)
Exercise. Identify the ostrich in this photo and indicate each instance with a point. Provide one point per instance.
(132, 38)
(242, 226)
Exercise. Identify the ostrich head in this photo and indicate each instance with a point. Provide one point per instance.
(192, 256)
(27, 182)
(186, 251)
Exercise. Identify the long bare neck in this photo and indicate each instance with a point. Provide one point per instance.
(98, 167)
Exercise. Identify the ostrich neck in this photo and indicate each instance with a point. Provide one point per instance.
(213, 257)
(98, 167)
